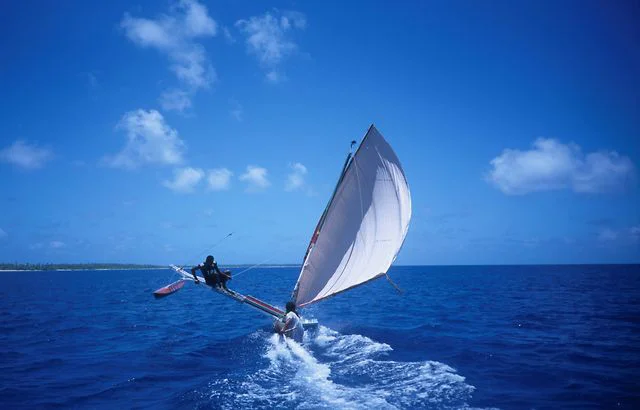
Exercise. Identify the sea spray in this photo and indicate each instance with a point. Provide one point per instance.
(332, 370)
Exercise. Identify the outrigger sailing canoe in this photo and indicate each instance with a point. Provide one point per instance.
(360, 232)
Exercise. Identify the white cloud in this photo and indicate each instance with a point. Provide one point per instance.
(151, 33)
(3, 234)
(24, 155)
(219, 179)
(185, 180)
(57, 244)
(603, 172)
(295, 179)
(551, 165)
(149, 140)
(191, 68)
(197, 21)
(175, 36)
(268, 38)
(256, 178)
(175, 100)
(293, 19)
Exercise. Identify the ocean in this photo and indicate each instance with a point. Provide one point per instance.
(509, 337)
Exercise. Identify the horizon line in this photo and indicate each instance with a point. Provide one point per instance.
(298, 264)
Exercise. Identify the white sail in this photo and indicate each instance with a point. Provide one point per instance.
(361, 232)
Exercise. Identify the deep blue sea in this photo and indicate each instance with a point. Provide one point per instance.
(510, 337)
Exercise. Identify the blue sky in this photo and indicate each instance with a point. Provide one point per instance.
(146, 131)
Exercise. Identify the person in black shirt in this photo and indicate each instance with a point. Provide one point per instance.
(212, 274)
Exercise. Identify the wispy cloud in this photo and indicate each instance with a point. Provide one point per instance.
(149, 141)
(3, 234)
(228, 36)
(57, 244)
(184, 180)
(551, 165)
(601, 221)
(175, 100)
(236, 110)
(274, 77)
(175, 35)
(607, 235)
(92, 79)
(268, 38)
(295, 179)
(219, 179)
(256, 178)
(625, 234)
(25, 155)
(527, 242)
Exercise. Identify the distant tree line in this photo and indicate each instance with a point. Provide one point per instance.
(79, 266)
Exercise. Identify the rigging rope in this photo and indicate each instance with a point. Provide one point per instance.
(400, 291)
(211, 247)
(252, 267)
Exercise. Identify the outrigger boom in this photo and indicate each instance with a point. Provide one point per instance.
(253, 302)
(238, 297)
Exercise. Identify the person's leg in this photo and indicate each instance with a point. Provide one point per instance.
(212, 280)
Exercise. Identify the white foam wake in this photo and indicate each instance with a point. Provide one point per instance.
(331, 370)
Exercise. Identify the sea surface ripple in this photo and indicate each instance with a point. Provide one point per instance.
(511, 337)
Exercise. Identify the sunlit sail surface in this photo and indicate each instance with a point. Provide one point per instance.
(363, 227)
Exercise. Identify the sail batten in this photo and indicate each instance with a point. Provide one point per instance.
(362, 228)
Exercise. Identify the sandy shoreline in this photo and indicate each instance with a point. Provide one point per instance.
(73, 269)
(156, 268)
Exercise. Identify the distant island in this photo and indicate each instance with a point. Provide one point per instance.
(73, 266)
(117, 266)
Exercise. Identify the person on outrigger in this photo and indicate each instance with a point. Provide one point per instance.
(292, 326)
(212, 274)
